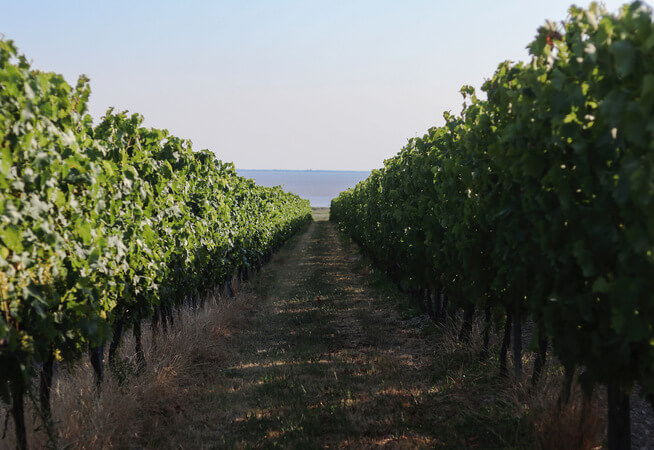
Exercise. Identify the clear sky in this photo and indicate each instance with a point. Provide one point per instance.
(303, 84)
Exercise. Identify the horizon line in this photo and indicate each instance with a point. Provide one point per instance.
(305, 170)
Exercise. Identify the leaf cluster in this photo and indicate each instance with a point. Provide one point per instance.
(105, 223)
(539, 199)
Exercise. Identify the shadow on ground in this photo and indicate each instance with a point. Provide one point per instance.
(325, 362)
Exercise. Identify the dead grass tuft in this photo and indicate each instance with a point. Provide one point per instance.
(580, 424)
(132, 405)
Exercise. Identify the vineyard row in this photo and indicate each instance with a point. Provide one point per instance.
(103, 227)
(537, 202)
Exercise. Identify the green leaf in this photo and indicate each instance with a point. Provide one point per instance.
(11, 236)
(84, 230)
(601, 285)
(625, 57)
(5, 160)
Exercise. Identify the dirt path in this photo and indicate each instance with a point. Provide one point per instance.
(321, 367)
(323, 362)
(324, 358)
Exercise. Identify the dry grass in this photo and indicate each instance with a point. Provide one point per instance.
(535, 412)
(320, 213)
(579, 424)
(132, 407)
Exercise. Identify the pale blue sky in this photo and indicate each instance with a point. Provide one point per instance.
(327, 84)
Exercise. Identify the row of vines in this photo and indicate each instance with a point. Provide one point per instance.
(537, 203)
(103, 227)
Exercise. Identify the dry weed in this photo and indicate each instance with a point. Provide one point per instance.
(579, 424)
(132, 404)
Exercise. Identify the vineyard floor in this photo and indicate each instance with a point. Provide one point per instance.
(329, 357)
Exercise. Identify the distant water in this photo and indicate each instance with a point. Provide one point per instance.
(318, 186)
